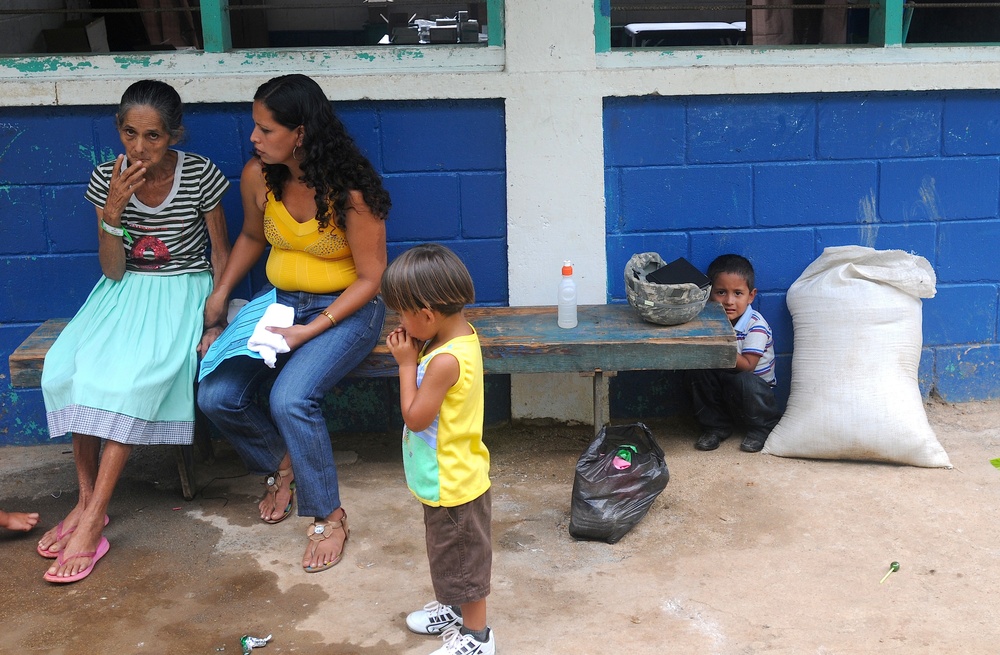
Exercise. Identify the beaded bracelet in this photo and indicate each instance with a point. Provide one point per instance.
(329, 316)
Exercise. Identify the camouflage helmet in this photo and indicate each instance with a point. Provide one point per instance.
(665, 304)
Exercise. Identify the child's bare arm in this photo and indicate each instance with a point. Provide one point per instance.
(747, 361)
(18, 520)
(421, 405)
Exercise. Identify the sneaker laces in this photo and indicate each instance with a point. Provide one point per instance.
(457, 643)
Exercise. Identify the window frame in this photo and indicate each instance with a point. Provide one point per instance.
(217, 35)
(220, 73)
(885, 26)
(218, 57)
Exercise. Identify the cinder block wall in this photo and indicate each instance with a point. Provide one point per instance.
(778, 178)
(443, 163)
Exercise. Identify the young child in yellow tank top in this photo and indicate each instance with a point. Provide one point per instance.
(446, 463)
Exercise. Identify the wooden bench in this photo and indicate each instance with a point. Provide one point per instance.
(26, 371)
(608, 339)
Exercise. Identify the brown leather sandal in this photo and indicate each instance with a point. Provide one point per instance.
(273, 483)
(322, 530)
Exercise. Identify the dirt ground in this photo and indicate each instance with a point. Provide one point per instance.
(741, 554)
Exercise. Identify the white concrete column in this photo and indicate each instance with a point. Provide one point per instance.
(555, 182)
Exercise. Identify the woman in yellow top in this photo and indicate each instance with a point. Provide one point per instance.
(319, 203)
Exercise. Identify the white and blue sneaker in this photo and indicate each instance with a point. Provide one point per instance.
(434, 619)
(456, 643)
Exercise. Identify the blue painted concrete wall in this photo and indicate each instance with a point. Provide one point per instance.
(778, 178)
(453, 193)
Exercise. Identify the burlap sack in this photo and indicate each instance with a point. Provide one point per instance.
(857, 317)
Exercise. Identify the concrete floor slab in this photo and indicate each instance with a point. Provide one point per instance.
(741, 554)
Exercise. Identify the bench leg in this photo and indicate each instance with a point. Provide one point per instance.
(185, 454)
(185, 467)
(601, 406)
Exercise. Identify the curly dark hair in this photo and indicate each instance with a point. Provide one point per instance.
(331, 163)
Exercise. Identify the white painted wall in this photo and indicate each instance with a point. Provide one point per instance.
(553, 84)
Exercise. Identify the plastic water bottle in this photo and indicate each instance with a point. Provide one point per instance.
(567, 297)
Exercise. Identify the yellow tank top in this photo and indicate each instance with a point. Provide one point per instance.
(448, 464)
(303, 258)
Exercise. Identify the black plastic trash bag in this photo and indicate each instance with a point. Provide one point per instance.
(617, 479)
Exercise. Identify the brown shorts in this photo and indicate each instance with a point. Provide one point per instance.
(460, 550)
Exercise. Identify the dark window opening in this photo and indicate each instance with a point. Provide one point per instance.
(707, 23)
(94, 26)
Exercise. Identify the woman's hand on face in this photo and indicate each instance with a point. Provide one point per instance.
(404, 348)
(124, 183)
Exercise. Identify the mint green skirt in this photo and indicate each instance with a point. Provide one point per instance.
(124, 367)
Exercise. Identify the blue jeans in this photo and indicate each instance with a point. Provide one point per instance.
(295, 424)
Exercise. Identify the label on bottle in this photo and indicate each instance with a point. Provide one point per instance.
(566, 312)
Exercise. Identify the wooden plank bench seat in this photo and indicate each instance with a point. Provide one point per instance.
(608, 339)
